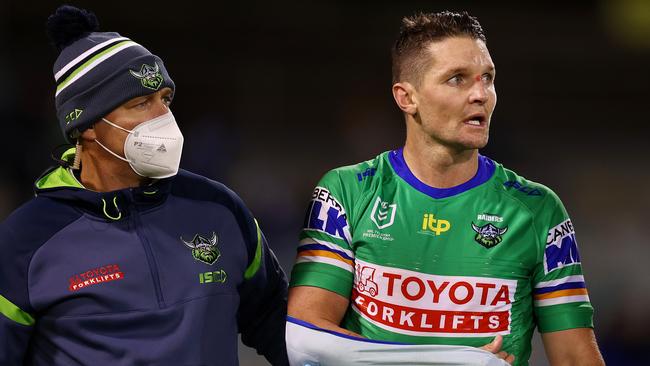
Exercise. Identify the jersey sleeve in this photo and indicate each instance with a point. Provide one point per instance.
(560, 294)
(325, 257)
(16, 314)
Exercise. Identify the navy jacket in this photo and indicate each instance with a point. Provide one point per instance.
(167, 274)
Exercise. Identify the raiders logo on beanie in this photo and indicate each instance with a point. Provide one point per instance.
(96, 71)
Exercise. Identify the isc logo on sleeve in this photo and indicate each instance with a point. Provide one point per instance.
(561, 247)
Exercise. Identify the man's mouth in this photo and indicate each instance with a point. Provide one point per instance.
(476, 120)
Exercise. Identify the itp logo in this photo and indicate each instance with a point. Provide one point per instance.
(383, 213)
(434, 226)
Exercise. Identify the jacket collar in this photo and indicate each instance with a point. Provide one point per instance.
(60, 183)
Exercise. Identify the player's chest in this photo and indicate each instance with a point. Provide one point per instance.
(478, 235)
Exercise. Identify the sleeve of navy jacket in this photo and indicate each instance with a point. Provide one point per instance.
(20, 236)
(16, 321)
(261, 315)
(263, 306)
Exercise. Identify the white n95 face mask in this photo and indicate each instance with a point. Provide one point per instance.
(153, 148)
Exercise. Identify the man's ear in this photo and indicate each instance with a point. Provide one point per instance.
(405, 96)
(88, 134)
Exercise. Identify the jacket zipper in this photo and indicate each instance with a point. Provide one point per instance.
(153, 266)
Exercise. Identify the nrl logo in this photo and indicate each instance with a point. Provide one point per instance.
(383, 213)
(203, 249)
(149, 76)
(489, 235)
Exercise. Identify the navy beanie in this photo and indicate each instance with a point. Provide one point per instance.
(96, 72)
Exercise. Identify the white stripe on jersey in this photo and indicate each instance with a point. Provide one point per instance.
(307, 241)
(576, 278)
(330, 261)
(562, 300)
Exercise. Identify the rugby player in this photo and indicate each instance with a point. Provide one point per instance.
(434, 243)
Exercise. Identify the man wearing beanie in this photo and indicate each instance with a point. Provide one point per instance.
(121, 258)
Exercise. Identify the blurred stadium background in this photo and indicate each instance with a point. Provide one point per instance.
(272, 95)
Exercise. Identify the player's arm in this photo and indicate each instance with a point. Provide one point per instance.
(323, 308)
(572, 347)
(308, 344)
(323, 274)
(561, 301)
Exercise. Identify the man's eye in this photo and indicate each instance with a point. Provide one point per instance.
(455, 80)
(142, 104)
(167, 100)
(487, 77)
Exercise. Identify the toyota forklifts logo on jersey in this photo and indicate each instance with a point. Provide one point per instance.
(422, 304)
(94, 276)
(383, 213)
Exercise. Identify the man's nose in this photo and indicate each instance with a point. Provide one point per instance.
(479, 92)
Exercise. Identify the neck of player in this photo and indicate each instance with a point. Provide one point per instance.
(440, 166)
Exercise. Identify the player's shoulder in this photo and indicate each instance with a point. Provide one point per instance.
(534, 195)
(357, 175)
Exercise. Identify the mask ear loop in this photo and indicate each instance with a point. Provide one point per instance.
(116, 126)
(109, 150)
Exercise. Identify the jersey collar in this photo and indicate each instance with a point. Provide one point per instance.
(484, 172)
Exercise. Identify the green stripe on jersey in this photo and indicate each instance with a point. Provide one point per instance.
(565, 316)
(330, 277)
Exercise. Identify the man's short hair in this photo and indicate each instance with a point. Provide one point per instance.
(410, 55)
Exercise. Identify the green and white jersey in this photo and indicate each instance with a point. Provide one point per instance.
(456, 266)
